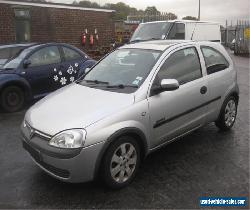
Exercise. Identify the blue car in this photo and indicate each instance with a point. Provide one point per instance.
(31, 71)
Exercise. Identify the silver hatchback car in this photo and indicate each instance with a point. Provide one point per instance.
(136, 99)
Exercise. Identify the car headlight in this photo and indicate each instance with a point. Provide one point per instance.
(74, 138)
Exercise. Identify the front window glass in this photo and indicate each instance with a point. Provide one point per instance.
(124, 67)
(45, 56)
(183, 65)
(148, 31)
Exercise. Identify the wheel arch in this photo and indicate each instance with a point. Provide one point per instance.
(235, 94)
(21, 84)
(133, 132)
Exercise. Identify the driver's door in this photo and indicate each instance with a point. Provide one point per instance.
(173, 113)
(40, 72)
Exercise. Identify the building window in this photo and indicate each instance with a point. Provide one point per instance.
(23, 31)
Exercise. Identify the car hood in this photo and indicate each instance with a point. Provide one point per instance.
(75, 106)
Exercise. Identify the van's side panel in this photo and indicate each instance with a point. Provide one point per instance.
(206, 32)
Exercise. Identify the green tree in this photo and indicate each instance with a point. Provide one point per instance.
(189, 18)
(87, 4)
(122, 10)
(151, 11)
(172, 16)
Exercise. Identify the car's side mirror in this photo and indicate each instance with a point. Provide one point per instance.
(26, 63)
(166, 85)
(169, 84)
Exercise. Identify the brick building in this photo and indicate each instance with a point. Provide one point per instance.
(23, 21)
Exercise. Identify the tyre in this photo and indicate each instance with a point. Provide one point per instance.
(12, 98)
(228, 114)
(121, 162)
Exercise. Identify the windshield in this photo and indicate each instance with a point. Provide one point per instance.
(17, 55)
(123, 68)
(157, 30)
(4, 55)
(9, 53)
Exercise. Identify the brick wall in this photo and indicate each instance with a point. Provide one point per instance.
(59, 25)
(7, 24)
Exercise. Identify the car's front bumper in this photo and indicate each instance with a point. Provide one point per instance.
(73, 166)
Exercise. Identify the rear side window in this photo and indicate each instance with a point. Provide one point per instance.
(70, 54)
(183, 65)
(177, 31)
(214, 60)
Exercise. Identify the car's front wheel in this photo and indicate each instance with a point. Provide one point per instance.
(12, 98)
(228, 114)
(121, 162)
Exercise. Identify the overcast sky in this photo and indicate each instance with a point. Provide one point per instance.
(211, 10)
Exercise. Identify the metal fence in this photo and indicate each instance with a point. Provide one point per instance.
(237, 37)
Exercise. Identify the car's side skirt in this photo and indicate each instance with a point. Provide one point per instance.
(174, 139)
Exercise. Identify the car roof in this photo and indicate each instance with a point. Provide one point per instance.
(160, 45)
(32, 46)
(180, 21)
(16, 45)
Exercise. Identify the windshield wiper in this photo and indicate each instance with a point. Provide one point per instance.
(96, 81)
(136, 40)
(122, 86)
(144, 40)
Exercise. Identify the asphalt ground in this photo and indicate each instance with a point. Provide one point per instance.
(205, 163)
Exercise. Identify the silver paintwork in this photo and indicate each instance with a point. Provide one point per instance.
(102, 113)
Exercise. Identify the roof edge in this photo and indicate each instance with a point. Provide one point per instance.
(54, 5)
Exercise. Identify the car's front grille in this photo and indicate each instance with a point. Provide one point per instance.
(35, 154)
(30, 132)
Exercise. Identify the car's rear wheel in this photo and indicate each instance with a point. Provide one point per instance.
(121, 162)
(12, 99)
(228, 114)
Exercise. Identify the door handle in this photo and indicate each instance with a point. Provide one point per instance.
(203, 90)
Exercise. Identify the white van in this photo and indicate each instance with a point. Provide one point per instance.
(177, 29)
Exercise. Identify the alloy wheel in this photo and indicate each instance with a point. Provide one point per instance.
(230, 113)
(123, 162)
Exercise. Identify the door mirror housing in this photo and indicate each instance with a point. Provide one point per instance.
(165, 85)
(169, 84)
(26, 63)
